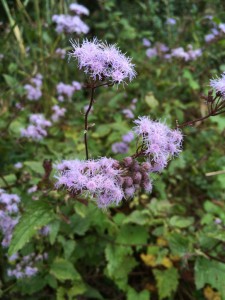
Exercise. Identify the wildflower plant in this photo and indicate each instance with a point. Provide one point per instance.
(106, 180)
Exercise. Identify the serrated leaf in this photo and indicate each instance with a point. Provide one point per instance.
(167, 282)
(210, 272)
(179, 244)
(64, 270)
(119, 264)
(37, 215)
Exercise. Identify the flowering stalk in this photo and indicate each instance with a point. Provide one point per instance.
(215, 105)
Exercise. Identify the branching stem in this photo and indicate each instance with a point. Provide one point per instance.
(86, 121)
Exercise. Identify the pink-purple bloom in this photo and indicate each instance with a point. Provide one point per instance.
(8, 215)
(160, 142)
(98, 179)
(33, 90)
(70, 24)
(102, 61)
(37, 129)
(67, 90)
(58, 112)
(218, 84)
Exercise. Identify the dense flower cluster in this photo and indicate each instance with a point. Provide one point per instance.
(217, 32)
(8, 215)
(99, 179)
(25, 266)
(106, 180)
(163, 51)
(159, 142)
(102, 61)
(67, 90)
(219, 84)
(33, 90)
(72, 24)
(37, 129)
(57, 113)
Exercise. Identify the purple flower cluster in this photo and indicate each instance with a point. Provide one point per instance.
(60, 52)
(57, 113)
(9, 215)
(37, 129)
(160, 142)
(67, 90)
(106, 180)
(79, 9)
(123, 146)
(33, 90)
(72, 24)
(191, 54)
(163, 51)
(219, 84)
(102, 61)
(99, 179)
(25, 266)
(216, 32)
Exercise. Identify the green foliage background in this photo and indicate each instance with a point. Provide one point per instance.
(165, 245)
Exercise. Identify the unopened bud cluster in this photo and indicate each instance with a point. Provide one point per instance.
(137, 176)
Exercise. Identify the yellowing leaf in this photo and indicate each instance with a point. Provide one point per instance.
(149, 260)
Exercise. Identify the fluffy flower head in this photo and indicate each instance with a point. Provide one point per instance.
(219, 84)
(102, 61)
(160, 142)
(96, 178)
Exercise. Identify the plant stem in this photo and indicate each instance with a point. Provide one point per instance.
(86, 121)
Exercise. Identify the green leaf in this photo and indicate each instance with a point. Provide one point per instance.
(63, 270)
(69, 246)
(102, 130)
(120, 263)
(137, 217)
(210, 272)
(32, 285)
(181, 222)
(35, 166)
(11, 81)
(37, 215)
(133, 295)
(167, 282)
(132, 234)
(151, 101)
(179, 244)
(77, 289)
(54, 229)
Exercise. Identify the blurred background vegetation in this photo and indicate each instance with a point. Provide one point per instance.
(165, 245)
